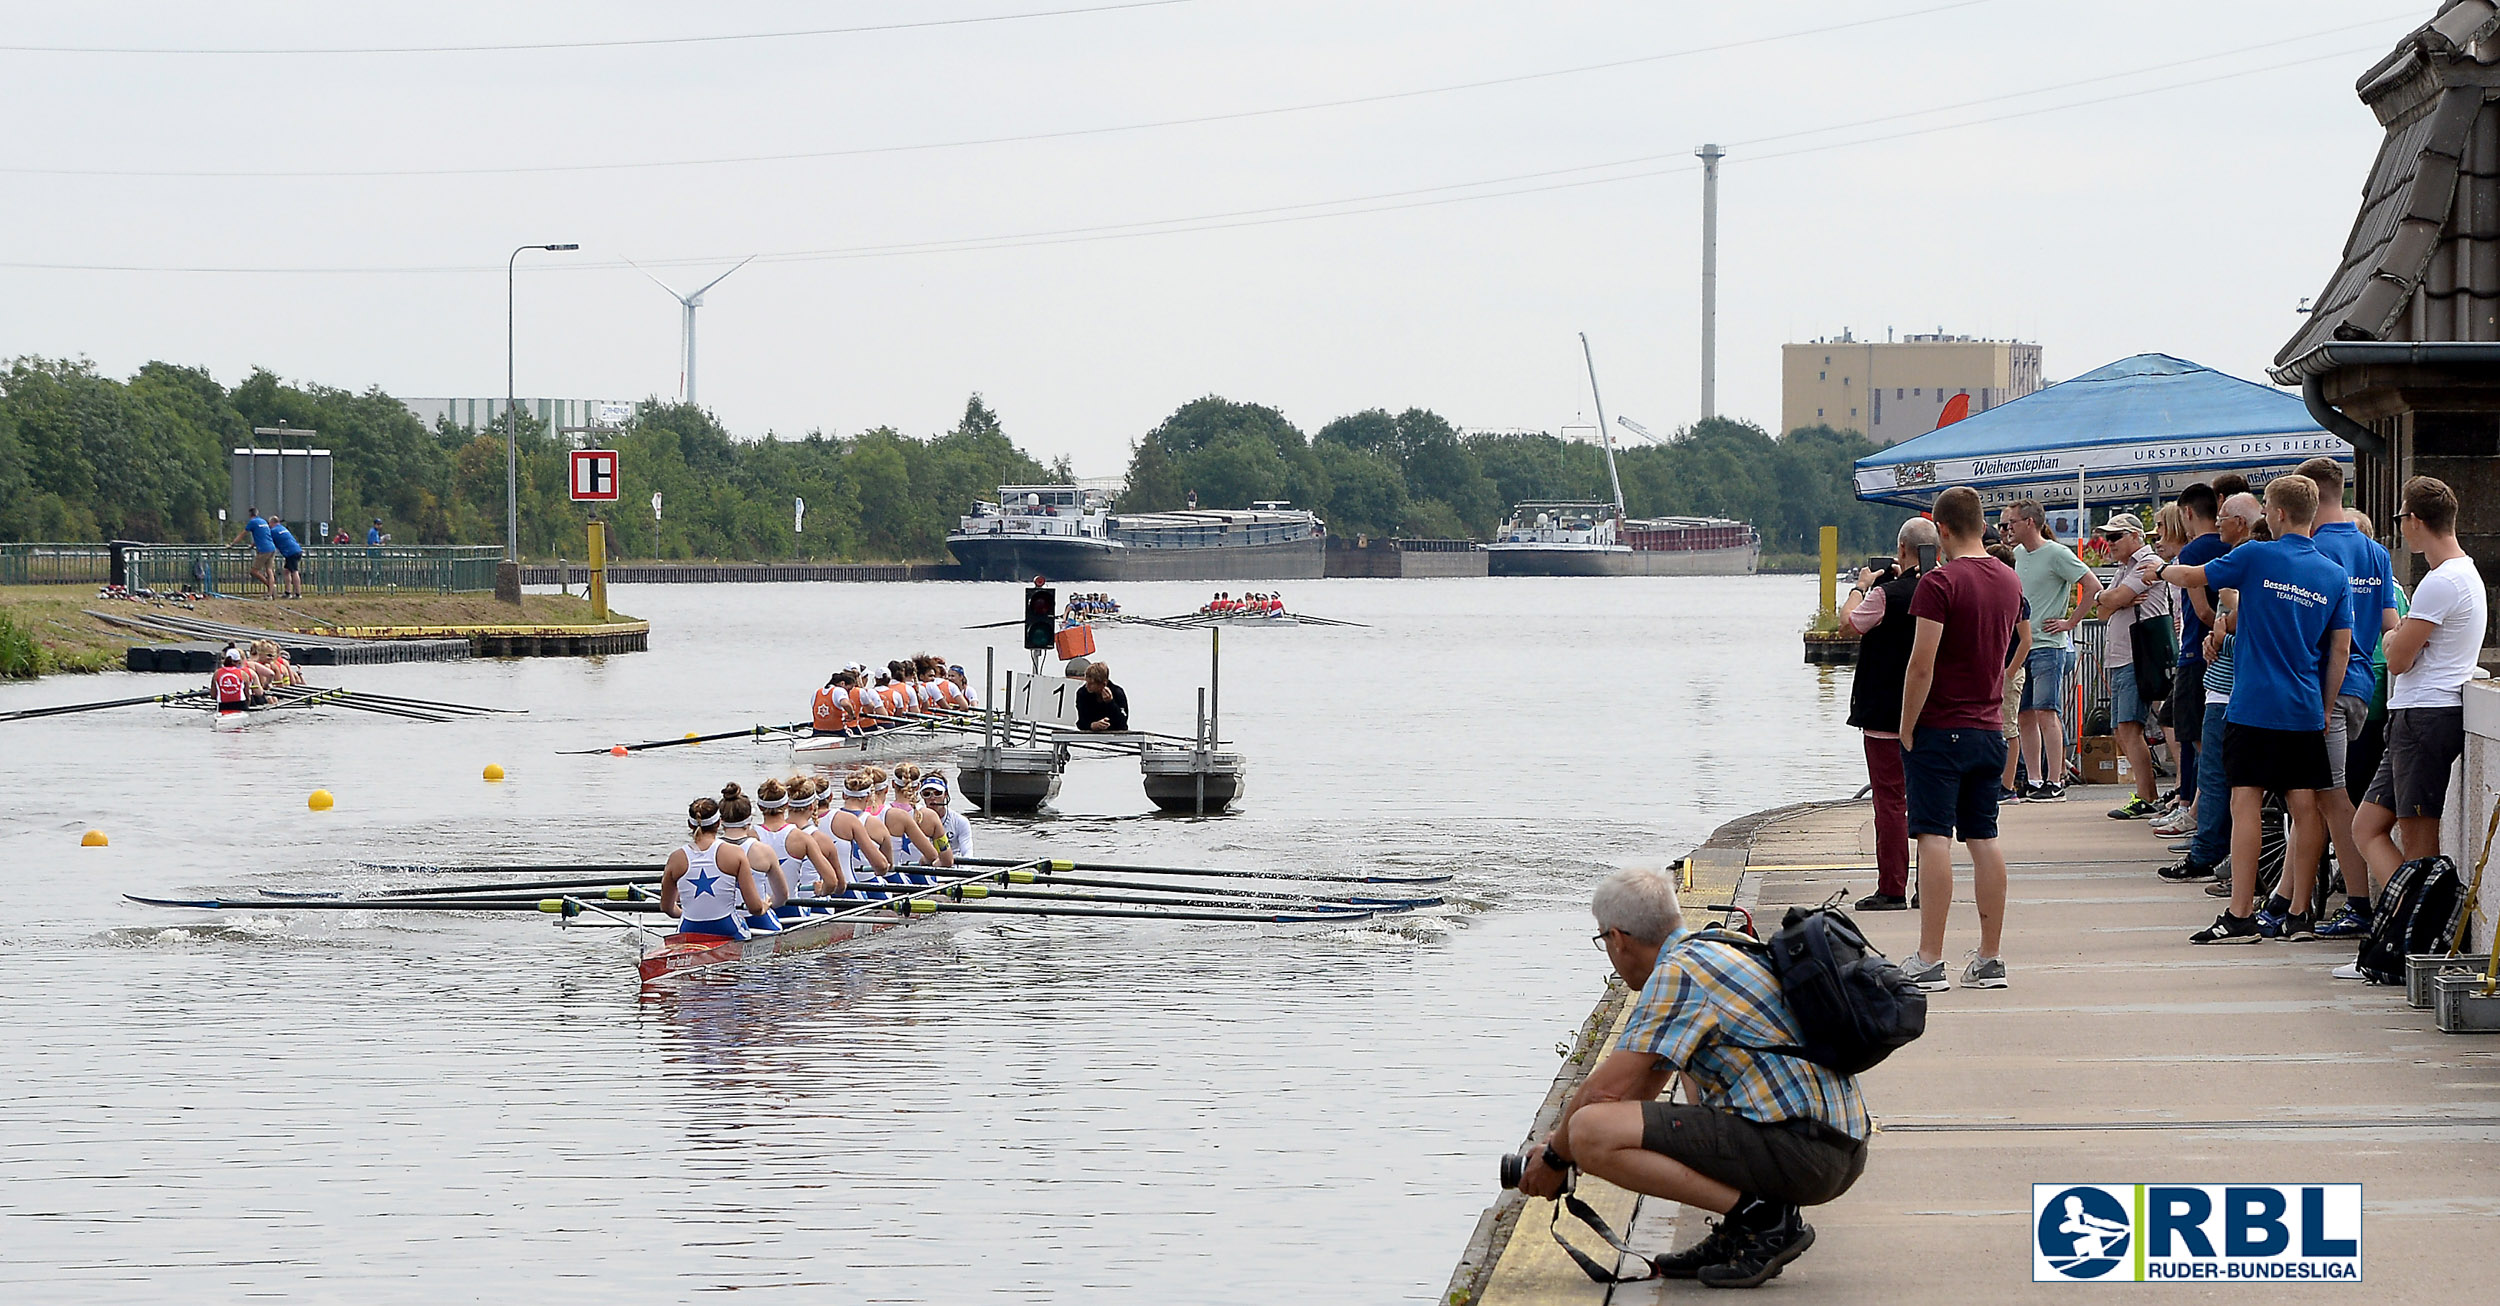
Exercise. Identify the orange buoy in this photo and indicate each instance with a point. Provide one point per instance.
(93, 839)
(619, 751)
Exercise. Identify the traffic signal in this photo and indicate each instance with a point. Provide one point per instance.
(1041, 617)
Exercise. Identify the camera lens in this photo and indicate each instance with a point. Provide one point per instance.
(1514, 1166)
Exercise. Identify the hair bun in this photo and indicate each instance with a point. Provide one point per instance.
(730, 792)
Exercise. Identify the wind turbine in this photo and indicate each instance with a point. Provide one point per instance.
(690, 303)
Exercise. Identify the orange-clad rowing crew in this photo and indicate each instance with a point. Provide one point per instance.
(855, 700)
(243, 681)
(752, 863)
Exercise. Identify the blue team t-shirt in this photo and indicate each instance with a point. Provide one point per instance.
(285, 540)
(373, 535)
(259, 527)
(2373, 576)
(2196, 553)
(2292, 597)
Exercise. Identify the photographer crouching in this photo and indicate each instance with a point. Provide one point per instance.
(1763, 1132)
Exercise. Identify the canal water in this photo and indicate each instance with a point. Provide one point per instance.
(382, 1108)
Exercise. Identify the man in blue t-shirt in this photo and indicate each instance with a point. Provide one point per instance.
(2200, 512)
(2294, 642)
(264, 552)
(2373, 577)
(290, 554)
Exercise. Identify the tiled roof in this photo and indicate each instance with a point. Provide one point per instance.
(2423, 260)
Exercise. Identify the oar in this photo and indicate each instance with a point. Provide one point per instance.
(432, 706)
(958, 889)
(994, 625)
(367, 904)
(65, 709)
(606, 889)
(925, 906)
(1052, 877)
(1059, 864)
(751, 732)
(302, 696)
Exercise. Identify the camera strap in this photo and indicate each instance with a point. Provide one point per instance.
(1587, 1214)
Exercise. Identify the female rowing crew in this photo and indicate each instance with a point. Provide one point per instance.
(751, 864)
(1093, 605)
(244, 682)
(854, 702)
(1248, 605)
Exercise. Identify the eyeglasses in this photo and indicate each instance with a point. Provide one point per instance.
(2400, 518)
(1598, 940)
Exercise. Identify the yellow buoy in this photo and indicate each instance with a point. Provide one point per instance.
(494, 771)
(320, 800)
(689, 734)
(93, 839)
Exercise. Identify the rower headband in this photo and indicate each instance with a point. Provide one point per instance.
(771, 804)
(857, 788)
(705, 824)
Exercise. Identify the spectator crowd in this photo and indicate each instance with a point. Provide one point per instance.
(2255, 647)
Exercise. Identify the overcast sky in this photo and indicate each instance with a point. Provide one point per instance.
(2189, 221)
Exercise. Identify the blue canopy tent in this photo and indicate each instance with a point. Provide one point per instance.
(2136, 431)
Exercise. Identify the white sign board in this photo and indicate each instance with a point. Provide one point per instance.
(1049, 700)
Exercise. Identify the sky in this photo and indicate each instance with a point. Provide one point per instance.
(2102, 179)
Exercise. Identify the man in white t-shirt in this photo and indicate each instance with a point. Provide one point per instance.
(2130, 598)
(2430, 655)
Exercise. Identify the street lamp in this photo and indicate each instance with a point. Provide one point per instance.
(511, 453)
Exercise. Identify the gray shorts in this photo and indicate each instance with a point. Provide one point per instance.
(2351, 714)
(1797, 1162)
(2423, 744)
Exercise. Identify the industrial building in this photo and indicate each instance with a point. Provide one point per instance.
(1890, 390)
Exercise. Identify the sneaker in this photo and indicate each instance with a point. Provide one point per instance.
(2227, 928)
(2300, 927)
(2045, 793)
(1926, 977)
(2270, 922)
(1715, 1248)
(2005, 795)
(2180, 845)
(2350, 923)
(2179, 822)
(2350, 970)
(1761, 1254)
(1883, 902)
(1984, 972)
(2136, 810)
(2187, 871)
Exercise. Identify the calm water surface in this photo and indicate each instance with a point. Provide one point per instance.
(372, 1107)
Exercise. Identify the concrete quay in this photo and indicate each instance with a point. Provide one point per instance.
(2120, 1054)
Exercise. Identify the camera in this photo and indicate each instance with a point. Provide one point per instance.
(1515, 1167)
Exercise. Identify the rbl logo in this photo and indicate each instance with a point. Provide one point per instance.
(2132, 1233)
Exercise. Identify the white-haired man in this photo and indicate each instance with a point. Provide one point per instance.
(1762, 1133)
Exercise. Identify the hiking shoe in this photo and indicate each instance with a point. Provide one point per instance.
(2350, 923)
(2136, 810)
(1926, 977)
(2187, 871)
(2045, 793)
(2228, 928)
(1761, 1254)
(1883, 902)
(1715, 1248)
(2349, 970)
(1984, 972)
(2005, 795)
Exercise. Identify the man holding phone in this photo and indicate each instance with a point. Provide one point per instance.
(2049, 572)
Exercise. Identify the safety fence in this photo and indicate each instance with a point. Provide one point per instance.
(55, 564)
(327, 569)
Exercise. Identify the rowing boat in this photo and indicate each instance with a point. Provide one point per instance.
(901, 741)
(675, 954)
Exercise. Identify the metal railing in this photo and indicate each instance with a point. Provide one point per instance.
(55, 564)
(327, 569)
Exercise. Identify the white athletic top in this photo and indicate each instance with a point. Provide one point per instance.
(800, 871)
(906, 853)
(704, 893)
(958, 832)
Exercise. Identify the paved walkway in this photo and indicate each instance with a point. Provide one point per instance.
(2119, 1054)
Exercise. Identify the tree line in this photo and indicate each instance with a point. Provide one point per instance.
(88, 457)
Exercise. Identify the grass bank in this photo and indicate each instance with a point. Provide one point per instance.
(44, 629)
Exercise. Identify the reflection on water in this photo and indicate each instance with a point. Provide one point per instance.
(383, 1107)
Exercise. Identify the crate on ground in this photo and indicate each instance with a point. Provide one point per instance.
(2460, 1006)
(2423, 969)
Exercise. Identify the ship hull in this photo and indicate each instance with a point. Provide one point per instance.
(1001, 557)
(1532, 561)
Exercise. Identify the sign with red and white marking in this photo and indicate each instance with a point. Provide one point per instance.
(594, 475)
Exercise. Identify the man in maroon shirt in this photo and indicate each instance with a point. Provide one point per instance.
(1969, 610)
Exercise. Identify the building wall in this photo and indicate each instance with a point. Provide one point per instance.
(1889, 391)
(487, 414)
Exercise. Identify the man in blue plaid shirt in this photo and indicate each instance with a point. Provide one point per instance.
(1760, 1135)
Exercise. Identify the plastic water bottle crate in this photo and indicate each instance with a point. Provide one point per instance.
(2422, 970)
(2460, 1007)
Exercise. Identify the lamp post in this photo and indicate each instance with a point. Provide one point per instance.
(511, 447)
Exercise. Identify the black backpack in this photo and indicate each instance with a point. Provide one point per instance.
(1853, 1007)
(2417, 912)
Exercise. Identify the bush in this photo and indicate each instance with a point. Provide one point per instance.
(21, 658)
